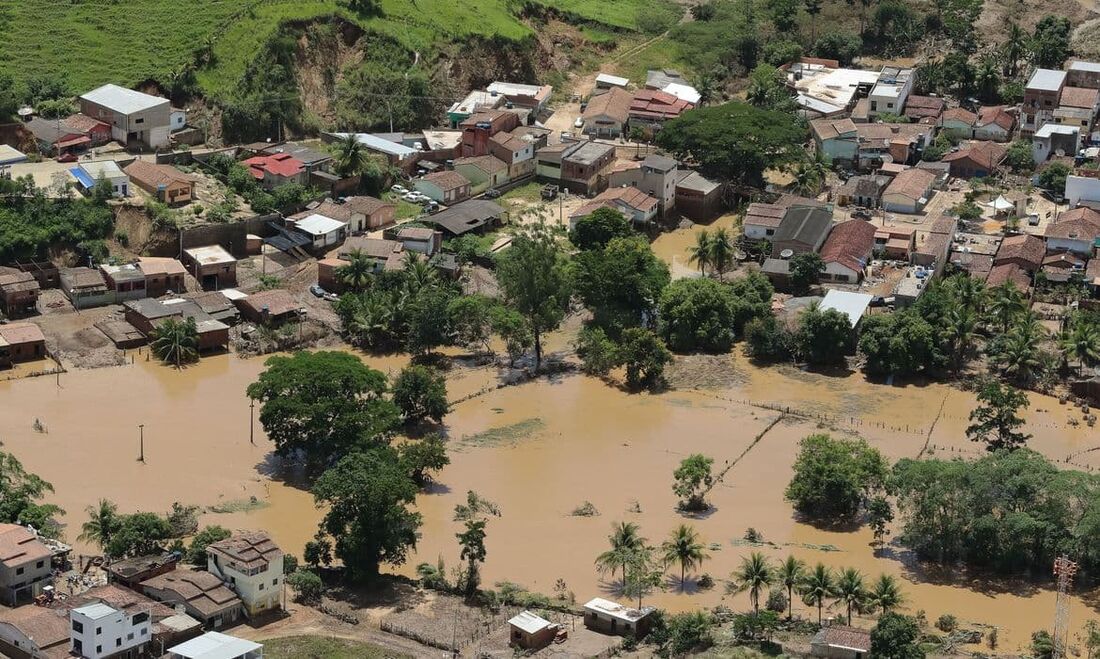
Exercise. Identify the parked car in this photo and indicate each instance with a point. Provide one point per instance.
(414, 197)
(579, 122)
(492, 193)
(398, 189)
(317, 290)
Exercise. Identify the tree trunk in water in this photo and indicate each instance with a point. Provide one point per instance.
(790, 602)
(819, 614)
(538, 351)
(682, 576)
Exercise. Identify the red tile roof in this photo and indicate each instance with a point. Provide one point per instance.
(18, 546)
(1024, 247)
(652, 104)
(615, 104)
(1078, 97)
(961, 115)
(447, 180)
(987, 155)
(996, 114)
(849, 244)
(21, 333)
(912, 183)
(920, 107)
(279, 164)
(1078, 224)
(764, 215)
(1008, 272)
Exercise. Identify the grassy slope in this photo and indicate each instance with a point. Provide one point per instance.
(128, 41)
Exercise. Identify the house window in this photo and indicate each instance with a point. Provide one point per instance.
(78, 627)
(130, 636)
(274, 582)
(39, 564)
(140, 120)
(144, 631)
(769, 232)
(99, 649)
(98, 631)
(261, 586)
(118, 642)
(140, 618)
(19, 570)
(890, 106)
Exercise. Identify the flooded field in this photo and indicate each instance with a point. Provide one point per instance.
(540, 450)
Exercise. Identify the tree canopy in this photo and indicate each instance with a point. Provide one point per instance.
(595, 230)
(621, 282)
(697, 314)
(833, 478)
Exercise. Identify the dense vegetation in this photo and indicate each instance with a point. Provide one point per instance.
(31, 222)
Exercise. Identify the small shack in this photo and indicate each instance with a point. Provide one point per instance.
(841, 642)
(613, 618)
(212, 265)
(273, 307)
(531, 632)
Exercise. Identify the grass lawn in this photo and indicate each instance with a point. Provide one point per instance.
(405, 210)
(661, 54)
(320, 647)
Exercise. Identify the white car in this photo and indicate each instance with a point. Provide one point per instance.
(579, 122)
(398, 189)
(414, 197)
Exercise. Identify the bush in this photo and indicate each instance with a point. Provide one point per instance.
(196, 553)
(688, 632)
(420, 393)
(834, 477)
(644, 356)
(307, 586)
(841, 46)
(766, 340)
(823, 337)
(777, 600)
(599, 354)
(947, 623)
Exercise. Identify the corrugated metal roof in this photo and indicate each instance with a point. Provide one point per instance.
(123, 100)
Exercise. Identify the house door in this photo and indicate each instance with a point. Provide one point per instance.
(210, 282)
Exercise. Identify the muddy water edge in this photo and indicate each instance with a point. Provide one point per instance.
(540, 450)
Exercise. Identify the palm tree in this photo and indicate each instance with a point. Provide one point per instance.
(351, 158)
(754, 576)
(850, 590)
(969, 292)
(420, 275)
(988, 78)
(1013, 49)
(707, 86)
(684, 547)
(356, 274)
(1019, 354)
(176, 341)
(813, 8)
(961, 324)
(808, 176)
(721, 251)
(792, 573)
(699, 254)
(1082, 342)
(624, 541)
(103, 521)
(1006, 302)
(885, 594)
(818, 587)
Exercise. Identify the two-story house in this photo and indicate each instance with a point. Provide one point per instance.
(25, 565)
(1041, 96)
(252, 564)
(134, 117)
(99, 630)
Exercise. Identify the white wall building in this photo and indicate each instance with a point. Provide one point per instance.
(252, 565)
(1082, 191)
(322, 230)
(215, 645)
(99, 630)
(891, 90)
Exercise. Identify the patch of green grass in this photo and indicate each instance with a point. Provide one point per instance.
(509, 434)
(622, 14)
(323, 647)
(529, 192)
(238, 506)
(661, 54)
(406, 210)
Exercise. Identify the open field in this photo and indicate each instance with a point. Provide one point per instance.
(130, 41)
(316, 647)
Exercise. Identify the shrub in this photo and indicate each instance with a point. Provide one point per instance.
(420, 393)
(947, 623)
(307, 586)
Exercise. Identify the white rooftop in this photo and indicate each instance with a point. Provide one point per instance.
(1046, 80)
(822, 87)
(616, 610)
(210, 254)
(529, 622)
(106, 168)
(214, 645)
(439, 140)
(180, 622)
(853, 305)
(95, 611)
(1049, 129)
(608, 79)
(375, 143)
(1094, 67)
(233, 294)
(123, 100)
(514, 89)
(474, 100)
(683, 92)
(319, 225)
(9, 154)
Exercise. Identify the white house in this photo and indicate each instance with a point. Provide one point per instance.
(323, 231)
(133, 116)
(852, 305)
(215, 645)
(891, 90)
(99, 630)
(1052, 139)
(909, 191)
(761, 220)
(1074, 231)
(253, 566)
(1082, 191)
(89, 173)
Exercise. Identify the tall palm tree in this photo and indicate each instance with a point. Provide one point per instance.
(988, 78)
(624, 540)
(103, 521)
(420, 274)
(1013, 49)
(176, 341)
(721, 251)
(1020, 354)
(754, 576)
(351, 157)
(792, 573)
(961, 324)
(707, 87)
(807, 177)
(1005, 303)
(699, 253)
(850, 590)
(1082, 343)
(885, 593)
(819, 586)
(684, 547)
(969, 292)
(356, 274)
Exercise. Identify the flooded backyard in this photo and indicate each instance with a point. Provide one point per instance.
(540, 450)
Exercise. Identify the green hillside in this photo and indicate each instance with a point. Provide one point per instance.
(90, 42)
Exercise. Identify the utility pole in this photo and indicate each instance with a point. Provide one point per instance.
(1064, 569)
(252, 423)
(141, 439)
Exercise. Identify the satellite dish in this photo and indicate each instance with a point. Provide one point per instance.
(786, 254)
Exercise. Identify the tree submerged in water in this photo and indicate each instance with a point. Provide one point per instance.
(693, 480)
(176, 341)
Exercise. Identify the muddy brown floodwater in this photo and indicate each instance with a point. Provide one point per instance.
(540, 450)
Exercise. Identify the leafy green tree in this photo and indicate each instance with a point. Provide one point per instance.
(879, 515)
(428, 319)
(514, 331)
(624, 541)
(734, 141)
(176, 341)
(420, 392)
(1082, 342)
(813, 9)
(841, 46)
(1013, 49)
(901, 343)
(644, 356)
(350, 156)
(139, 534)
(684, 547)
(9, 100)
(595, 230)
(691, 481)
(368, 495)
(1053, 177)
(833, 477)
(534, 278)
(697, 314)
(642, 573)
(1050, 43)
(784, 14)
(357, 273)
(471, 321)
(472, 541)
(423, 456)
(768, 89)
(307, 585)
(322, 405)
(896, 637)
(377, 95)
(778, 52)
(818, 588)
(754, 576)
(196, 551)
(823, 337)
(598, 353)
(792, 575)
(1042, 645)
(885, 593)
(766, 340)
(850, 590)
(103, 521)
(996, 420)
(621, 282)
(805, 271)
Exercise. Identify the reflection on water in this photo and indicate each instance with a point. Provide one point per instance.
(539, 450)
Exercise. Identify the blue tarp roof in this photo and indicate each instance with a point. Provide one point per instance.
(82, 177)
